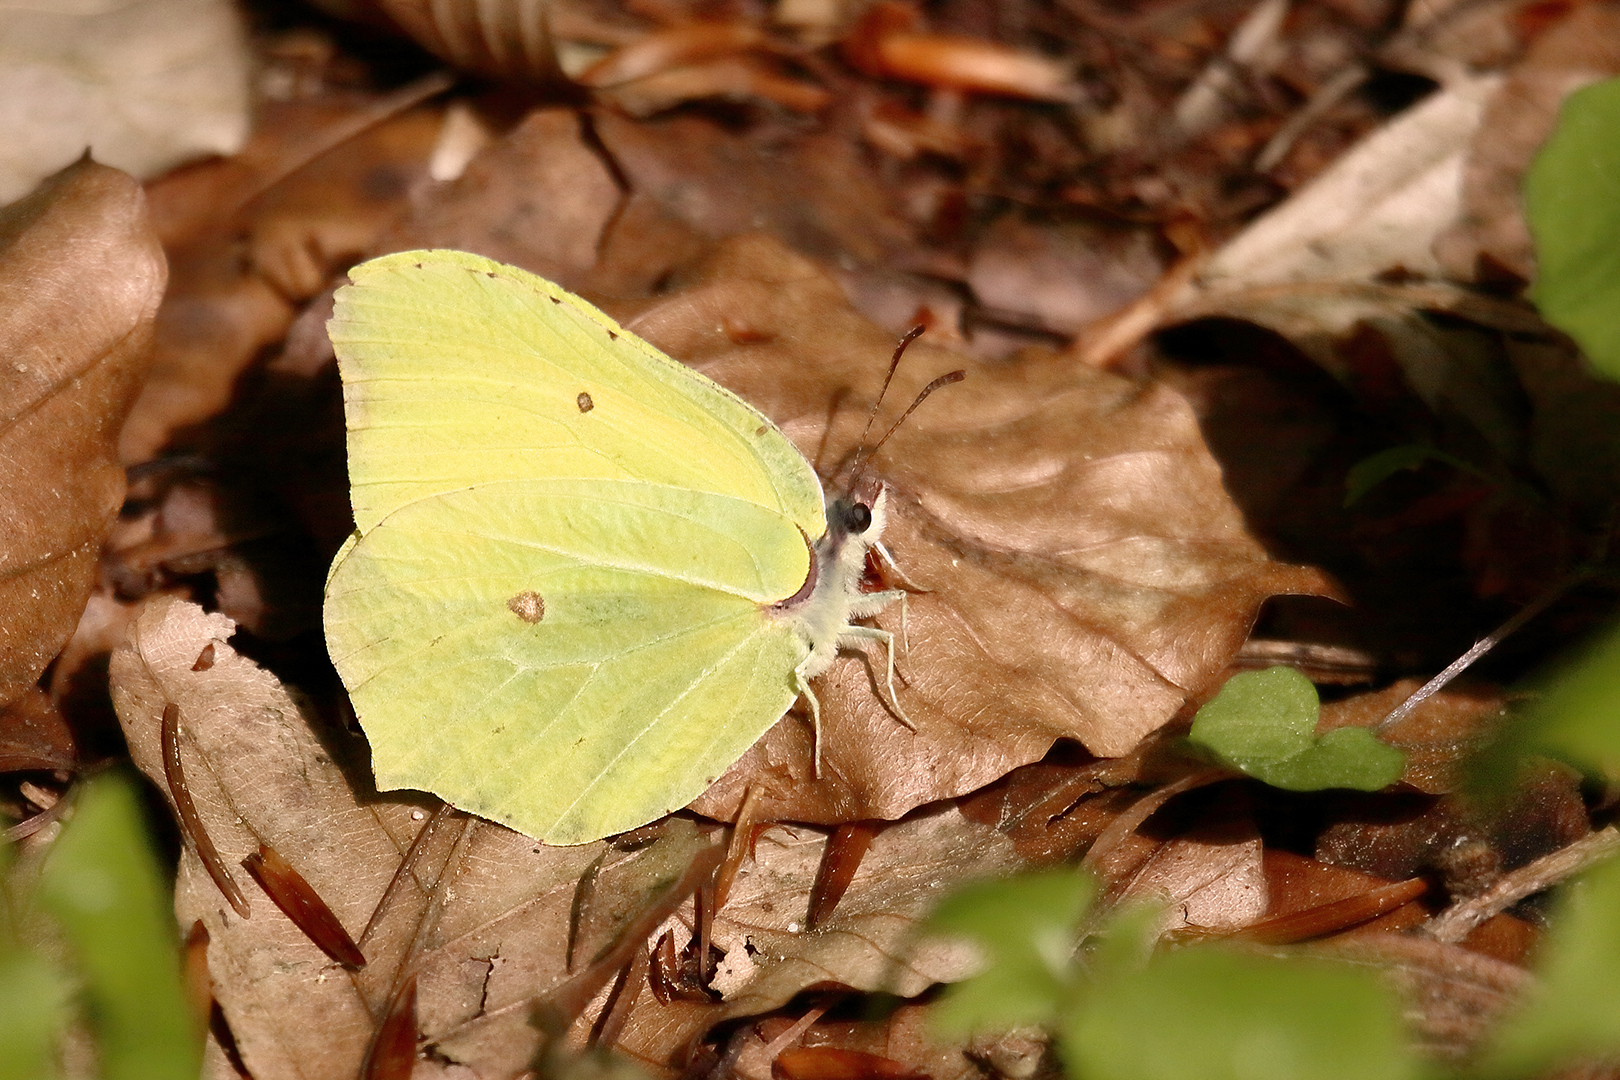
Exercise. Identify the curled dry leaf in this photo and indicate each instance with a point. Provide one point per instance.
(670, 48)
(81, 274)
(506, 39)
(887, 44)
(1077, 569)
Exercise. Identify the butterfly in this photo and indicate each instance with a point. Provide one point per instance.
(584, 578)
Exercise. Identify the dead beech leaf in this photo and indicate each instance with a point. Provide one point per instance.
(887, 44)
(870, 942)
(300, 209)
(34, 735)
(148, 85)
(539, 197)
(865, 942)
(1453, 996)
(1079, 571)
(1061, 276)
(508, 39)
(1520, 114)
(816, 193)
(481, 921)
(258, 774)
(81, 274)
(1211, 878)
(1378, 207)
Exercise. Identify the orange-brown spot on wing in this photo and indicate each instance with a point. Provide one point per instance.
(529, 606)
(585, 403)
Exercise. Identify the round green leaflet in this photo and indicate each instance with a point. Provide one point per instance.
(579, 586)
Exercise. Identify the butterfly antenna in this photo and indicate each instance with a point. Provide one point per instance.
(899, 350)
(944, 380)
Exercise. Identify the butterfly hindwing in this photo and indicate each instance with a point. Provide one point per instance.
(568, 657)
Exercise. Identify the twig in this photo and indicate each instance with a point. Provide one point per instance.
(1455, 923)
(1329, 94)
(1479, 649)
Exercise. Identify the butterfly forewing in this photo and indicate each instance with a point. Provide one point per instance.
(458, 370)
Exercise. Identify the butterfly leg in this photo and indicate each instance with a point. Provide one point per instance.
(803, 686)
(872, 603)
(872, 633)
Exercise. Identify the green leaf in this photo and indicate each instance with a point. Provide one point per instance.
(1578, 718)
(1264, 724)
(1572, 203)
(1574, 1010)
(1369, 472)
(1208, 1014)
(1026, 927)
(33, 996)
(102, 883)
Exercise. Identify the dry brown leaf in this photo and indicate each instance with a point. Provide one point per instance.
(816, 192)
(33, 735)
(482, 922)
(257, 773)
(870, 942)
(539, 198)
(148, 84)
(1210, 877)
(1061, 276)
(81, 274)
(300, 220)
(1453, 996)
(1466, 845)
(1519, 116)
(1079, 571)
(1437, 736)
(510, 39)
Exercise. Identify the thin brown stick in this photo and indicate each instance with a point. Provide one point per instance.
(407, 866)
(191, 823)
(1459, 920)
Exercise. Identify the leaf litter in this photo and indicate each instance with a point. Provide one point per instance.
(1087, 551)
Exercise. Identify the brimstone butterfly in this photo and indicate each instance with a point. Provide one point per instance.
(584, 578)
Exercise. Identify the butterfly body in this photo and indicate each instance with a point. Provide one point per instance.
(580, 585)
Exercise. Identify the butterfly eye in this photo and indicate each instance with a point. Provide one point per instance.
(858, 518)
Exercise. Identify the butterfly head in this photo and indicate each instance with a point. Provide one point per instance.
(857, 514)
